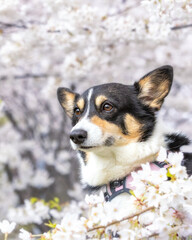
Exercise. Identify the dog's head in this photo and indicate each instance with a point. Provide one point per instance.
(115, 114)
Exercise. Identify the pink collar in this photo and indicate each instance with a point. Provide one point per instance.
(117, 187)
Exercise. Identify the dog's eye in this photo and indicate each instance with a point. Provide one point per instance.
(77, 111)
(107, 107)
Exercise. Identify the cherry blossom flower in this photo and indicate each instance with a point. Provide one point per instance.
(162, 155)
(6, 227)
(25, 235)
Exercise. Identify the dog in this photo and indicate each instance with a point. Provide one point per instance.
(116, 128)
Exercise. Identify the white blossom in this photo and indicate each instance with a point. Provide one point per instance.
(94, 199)
(25, 235)
(162, 155)
(7, 227)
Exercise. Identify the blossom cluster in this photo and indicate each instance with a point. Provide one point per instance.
(160, 207)
(68, 27)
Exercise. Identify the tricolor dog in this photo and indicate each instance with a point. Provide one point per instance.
(116, 129)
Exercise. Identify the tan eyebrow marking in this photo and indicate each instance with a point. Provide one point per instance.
(81, 104)
(99, 100)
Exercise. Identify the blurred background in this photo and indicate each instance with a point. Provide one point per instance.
(77, 44)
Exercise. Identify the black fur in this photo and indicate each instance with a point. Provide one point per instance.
(83, 156)
(175, 141)
(187, 162)
(109, 142)
(90, 189)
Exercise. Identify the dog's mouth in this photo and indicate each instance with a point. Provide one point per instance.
(87, 147)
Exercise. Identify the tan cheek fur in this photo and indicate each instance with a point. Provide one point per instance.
(68, 104)
(132, 125)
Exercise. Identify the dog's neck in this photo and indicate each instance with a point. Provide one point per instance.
(112, 163)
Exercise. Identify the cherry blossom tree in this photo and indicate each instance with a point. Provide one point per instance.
(77, 44)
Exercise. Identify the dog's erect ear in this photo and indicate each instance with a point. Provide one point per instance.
(155, 86)
(67, 99)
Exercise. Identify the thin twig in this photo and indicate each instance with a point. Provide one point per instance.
(36, 235)
(24, 25)
(6, 236)
(123, 219)
(150, 236)
(181, 27)
(28, 75)
(10, 25)
(123, 11)
(12, 119)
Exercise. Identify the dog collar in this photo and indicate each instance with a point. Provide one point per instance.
(120, 186)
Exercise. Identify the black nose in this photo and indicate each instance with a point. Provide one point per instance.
(78, 136)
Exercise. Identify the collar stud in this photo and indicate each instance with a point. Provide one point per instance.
(116, 183)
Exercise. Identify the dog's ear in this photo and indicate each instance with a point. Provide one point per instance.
(67, 99)
(155, 86)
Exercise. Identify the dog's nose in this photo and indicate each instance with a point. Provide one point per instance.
(78, 136)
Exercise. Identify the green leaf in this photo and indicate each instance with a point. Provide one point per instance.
(56, 199)
(33, 200)
(50, 224)
(3, 121)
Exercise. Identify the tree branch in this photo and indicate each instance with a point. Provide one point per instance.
(10, 25)
(27, 75)
(123, 219)
(181, 27)
(11, 118)
(23, 25)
